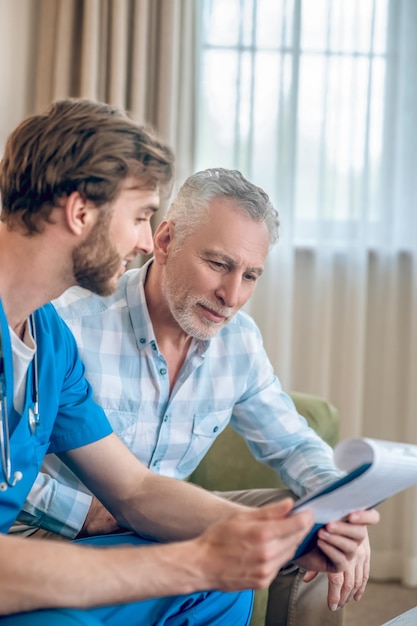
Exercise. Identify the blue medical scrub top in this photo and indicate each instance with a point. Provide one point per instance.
(69, 417)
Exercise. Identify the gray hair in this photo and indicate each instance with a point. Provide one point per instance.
(191, 205)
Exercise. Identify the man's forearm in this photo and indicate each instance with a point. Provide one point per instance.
(150, 504)
(165, 504)
(70, 575)
(242, 552)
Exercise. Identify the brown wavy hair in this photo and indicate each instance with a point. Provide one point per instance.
(76, 145)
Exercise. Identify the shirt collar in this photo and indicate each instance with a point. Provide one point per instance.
(139, 314)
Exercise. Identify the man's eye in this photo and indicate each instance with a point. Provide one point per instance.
(251, 278)
(216, 264)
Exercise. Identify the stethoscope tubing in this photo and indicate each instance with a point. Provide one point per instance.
(6, 464)
(33, 417)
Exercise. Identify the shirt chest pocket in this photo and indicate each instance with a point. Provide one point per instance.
(206, 427)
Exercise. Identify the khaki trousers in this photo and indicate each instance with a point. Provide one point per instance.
(291, 602)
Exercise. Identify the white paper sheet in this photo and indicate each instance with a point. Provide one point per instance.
(376, 470)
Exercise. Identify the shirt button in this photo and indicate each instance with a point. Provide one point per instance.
(166, 418)
(153, 344)
(162, 371)
(142, 340)
(155, 463)
(215, 429)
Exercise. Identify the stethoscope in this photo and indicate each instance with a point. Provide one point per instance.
(33, 415)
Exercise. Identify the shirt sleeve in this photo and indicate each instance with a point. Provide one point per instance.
(276, 434)
(55, 507)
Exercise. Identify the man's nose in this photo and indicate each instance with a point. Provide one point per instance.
(228, 291)
(144, 242)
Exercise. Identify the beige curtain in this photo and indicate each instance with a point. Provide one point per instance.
(15, 27)
(137, 54)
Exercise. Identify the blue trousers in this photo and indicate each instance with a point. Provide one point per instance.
(202, 608)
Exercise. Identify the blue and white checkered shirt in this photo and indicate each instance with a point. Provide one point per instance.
(228, 378)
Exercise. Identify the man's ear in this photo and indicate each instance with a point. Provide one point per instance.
(80, 214)
(162, 240)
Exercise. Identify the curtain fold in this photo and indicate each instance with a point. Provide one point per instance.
(136, 54)
(16, 25)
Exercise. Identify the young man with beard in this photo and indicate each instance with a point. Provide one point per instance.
(172, 360)
(79, 184)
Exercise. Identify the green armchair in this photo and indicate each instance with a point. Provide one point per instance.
(229, 464)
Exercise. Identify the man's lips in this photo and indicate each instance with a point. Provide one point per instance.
(123, 266)
(213, 316)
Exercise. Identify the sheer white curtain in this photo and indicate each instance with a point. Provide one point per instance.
(317, 103)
